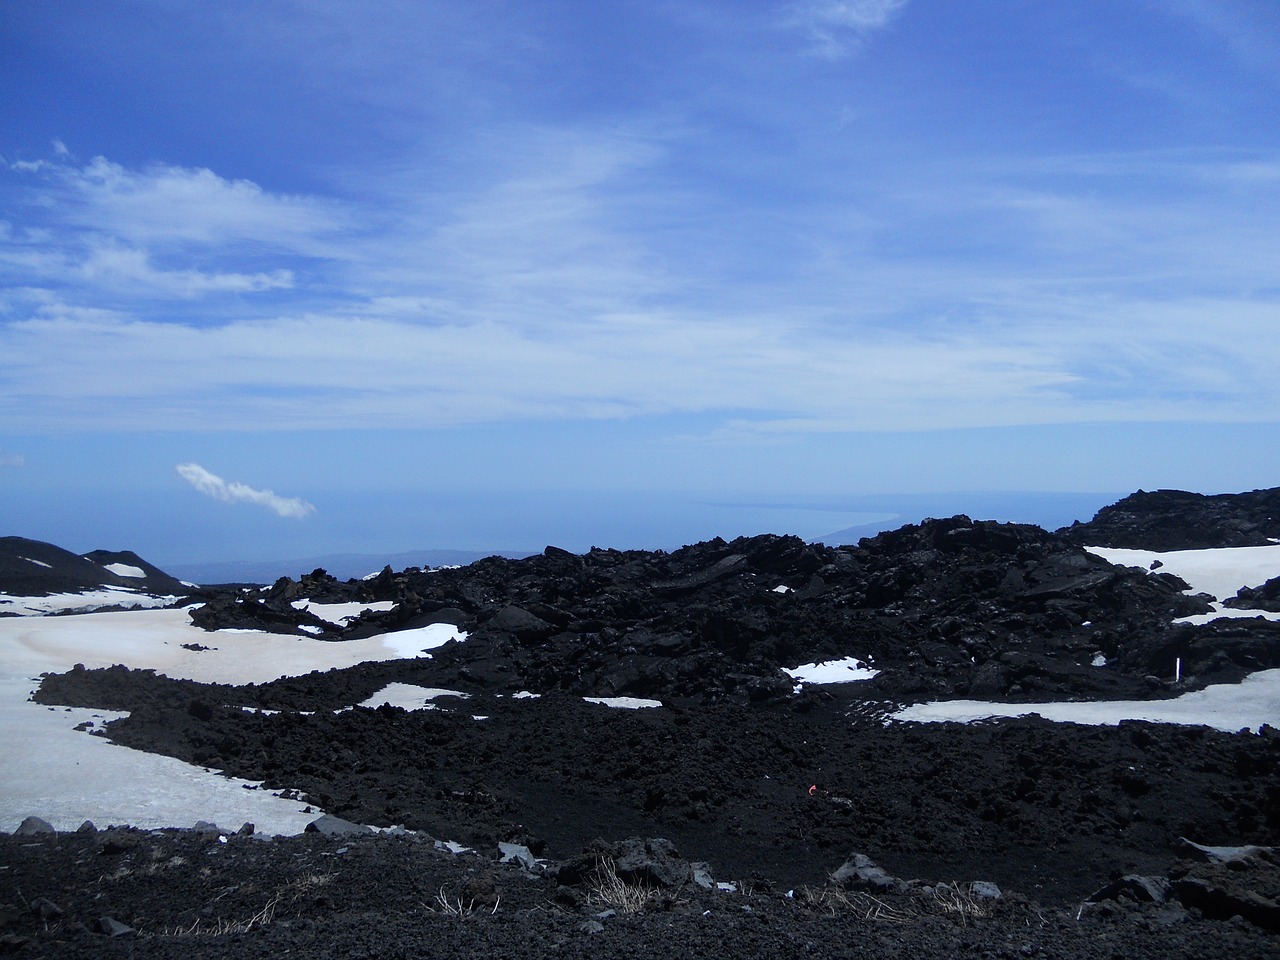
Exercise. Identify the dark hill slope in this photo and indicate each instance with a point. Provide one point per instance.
(33, 568)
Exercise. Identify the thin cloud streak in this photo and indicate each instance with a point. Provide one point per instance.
(211, 485)
(1068, 362)
(838, 27)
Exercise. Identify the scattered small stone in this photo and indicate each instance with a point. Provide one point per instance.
(701, 875)
(32, 826)
(1134, 887)
(860, 872)
(46, 909)
(112, 927)
(117, 842)
(331, 826)
(519, 853)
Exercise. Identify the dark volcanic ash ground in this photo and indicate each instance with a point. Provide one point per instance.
(773, 789)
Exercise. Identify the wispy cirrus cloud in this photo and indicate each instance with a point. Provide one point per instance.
(566, 281)
(211, 485)
(160, 231)
(164, 202)
(12, 460)
(1248, 28)
(111, 265)
(837, 27)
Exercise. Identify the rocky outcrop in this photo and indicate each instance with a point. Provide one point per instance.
(1219, 883)
(945, 607)
(1264, 597)
(1165, 520)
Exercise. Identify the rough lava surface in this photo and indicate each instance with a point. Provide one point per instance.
(747, 815)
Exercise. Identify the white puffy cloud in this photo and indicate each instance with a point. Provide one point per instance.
(212, 485)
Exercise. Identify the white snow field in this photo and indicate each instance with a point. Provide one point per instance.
(66, 776)
(1231, 707)
(86, 602)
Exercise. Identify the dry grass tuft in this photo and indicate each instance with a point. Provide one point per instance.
(456, 906)
(611, 890)
(956, 900)
(220, 928)
(306, 886)
(835, 901)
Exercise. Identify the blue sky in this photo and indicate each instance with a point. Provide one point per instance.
(579, 272)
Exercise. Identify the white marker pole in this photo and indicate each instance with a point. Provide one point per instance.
(1177, 670)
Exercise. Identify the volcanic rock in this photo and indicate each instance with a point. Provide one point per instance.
(1165, 520)
(1265, 597)
(32, 826)
(947, 606)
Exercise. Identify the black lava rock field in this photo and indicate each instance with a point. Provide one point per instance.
(744, 817)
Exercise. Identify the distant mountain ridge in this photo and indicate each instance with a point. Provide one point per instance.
(344, 566)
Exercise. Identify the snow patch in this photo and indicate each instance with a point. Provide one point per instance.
(1227, 613)
(408, 696)
(339, 613)
(125, 570)
(1225, 706)
(1219, 572)
(409, 644)
(86, 602)
(39, 563)
(624, 703)
(847, 670)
